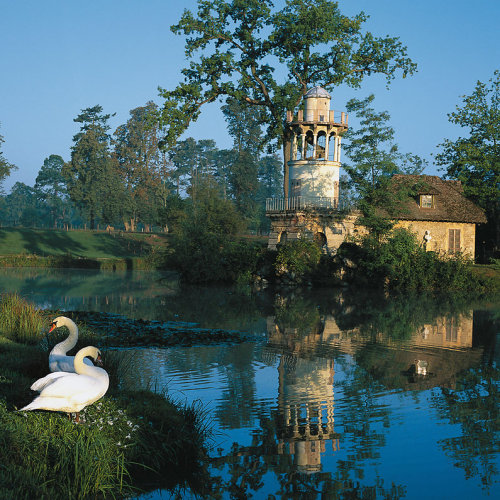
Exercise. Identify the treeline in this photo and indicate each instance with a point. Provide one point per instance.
(128, 181)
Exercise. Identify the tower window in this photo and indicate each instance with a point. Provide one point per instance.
(296, 185)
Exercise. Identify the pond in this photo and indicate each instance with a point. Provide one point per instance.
(337, 395)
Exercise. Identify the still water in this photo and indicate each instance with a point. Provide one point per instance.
(341, 395)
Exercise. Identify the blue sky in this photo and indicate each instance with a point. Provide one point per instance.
(61, 56)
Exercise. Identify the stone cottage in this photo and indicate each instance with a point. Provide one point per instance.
(443, 219)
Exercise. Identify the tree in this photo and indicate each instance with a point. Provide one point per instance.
(195, 164)
(246, 132)
(5, 166)
(21, 207)
(144, 168)
(375, 159)
(94, 183)
(236, 47)
(475, 159)
(50, 186)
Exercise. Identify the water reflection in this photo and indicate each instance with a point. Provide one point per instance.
(348, 395)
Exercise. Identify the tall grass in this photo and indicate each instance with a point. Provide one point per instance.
(21, 321)
(47, 456)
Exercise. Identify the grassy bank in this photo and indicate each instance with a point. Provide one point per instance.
(78, 249)
(82, 244)
(126, 440)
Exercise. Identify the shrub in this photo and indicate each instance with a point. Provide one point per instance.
(297, 261)
(400, 263)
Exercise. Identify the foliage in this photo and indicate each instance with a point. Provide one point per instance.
(51, 190)
(5, 166)
(143, 167)
(375, 159)
(297, 261)
(237, 47)
(400, 263)
(475, 158)
(92, 175)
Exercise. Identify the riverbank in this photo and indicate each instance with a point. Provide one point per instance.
(127, 441)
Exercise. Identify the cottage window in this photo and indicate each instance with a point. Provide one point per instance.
(453, 240)
(426, 201)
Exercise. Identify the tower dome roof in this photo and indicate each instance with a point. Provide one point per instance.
(317, 92)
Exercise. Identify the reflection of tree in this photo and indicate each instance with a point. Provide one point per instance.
(234, 409)
(398, 317)
(474, 406)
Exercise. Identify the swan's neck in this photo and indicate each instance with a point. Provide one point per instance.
(68, 343)
(82, 369)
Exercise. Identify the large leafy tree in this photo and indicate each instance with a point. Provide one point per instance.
(5, 166)
(143, 166)
(239, 49)
(92, 175)
(374, 159)
(475, 158)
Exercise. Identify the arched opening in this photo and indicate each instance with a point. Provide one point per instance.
(331, 147)
(320, 239)
(321, 146)
(309, 146)
(282, 238)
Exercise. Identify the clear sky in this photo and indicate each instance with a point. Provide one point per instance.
(61, 56)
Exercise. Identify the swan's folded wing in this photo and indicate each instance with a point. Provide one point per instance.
(39, 384)
(61, 384)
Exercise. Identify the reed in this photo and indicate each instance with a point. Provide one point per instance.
(20, 320)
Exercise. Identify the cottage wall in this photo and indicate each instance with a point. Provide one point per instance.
(439, 233)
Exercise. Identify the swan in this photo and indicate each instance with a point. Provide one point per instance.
(71, 392)
(59, 361)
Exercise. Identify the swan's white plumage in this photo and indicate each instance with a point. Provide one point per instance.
(59, 361)
(71, 392)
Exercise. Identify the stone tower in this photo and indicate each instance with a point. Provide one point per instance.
(310, 207)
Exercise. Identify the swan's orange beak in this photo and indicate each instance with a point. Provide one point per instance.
(52, 327)
(98, 361)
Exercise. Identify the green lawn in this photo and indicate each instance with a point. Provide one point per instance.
(87, 244)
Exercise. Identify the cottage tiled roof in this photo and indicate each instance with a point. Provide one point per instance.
(450, 203)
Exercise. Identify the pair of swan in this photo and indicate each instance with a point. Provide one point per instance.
(74, 382)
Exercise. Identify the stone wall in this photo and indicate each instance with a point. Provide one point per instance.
(439, 232)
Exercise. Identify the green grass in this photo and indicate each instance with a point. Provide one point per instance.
(83, 244)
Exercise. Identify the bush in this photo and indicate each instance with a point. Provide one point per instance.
(297, 261)
(400, 263)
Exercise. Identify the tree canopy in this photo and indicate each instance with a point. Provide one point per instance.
(475, 158)
(375, 159)
(266, 57)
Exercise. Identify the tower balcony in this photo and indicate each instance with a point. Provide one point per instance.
(297, 203)
(331, 117)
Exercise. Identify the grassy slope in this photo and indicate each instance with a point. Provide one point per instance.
(89, 244)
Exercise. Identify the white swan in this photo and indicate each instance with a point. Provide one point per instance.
(71, 392)
(59, 361)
